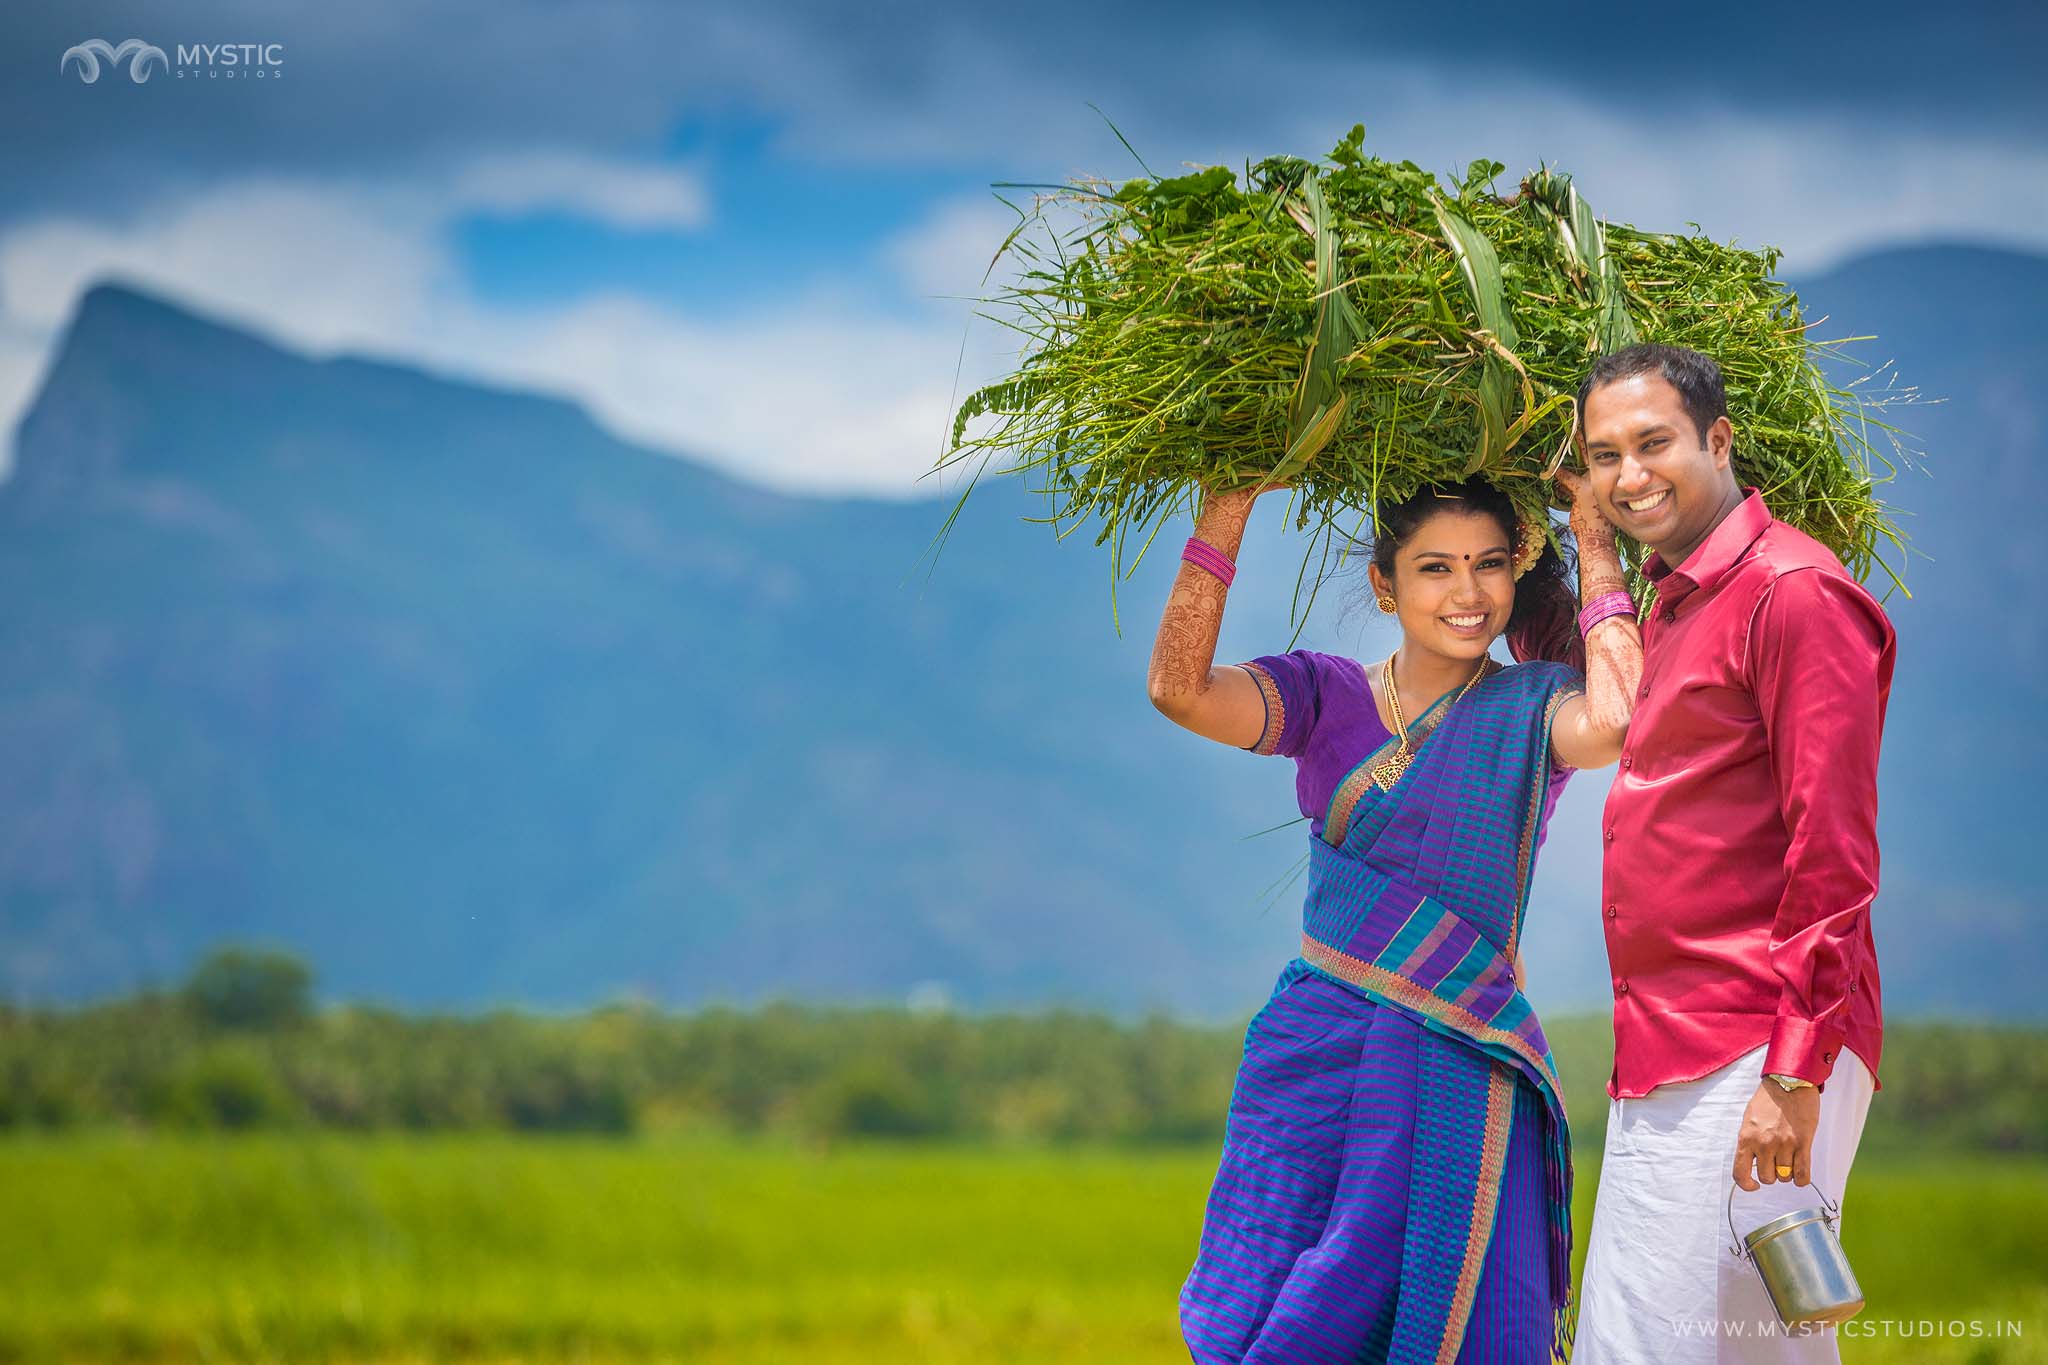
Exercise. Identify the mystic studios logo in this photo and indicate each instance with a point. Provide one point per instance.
(196, 61)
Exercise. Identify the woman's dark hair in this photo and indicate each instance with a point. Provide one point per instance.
(1544, 623)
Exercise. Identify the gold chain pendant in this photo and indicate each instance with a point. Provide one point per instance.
(1388, 770)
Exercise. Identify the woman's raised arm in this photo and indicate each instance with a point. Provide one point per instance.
(1222, 704)
(1589, 731)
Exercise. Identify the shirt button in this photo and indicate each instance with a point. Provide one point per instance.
(1621, 988)
(1669, 615)
(1627, 762)
(1827, 1056)
(1646, 689)
(1610, 836)
(1612, 912)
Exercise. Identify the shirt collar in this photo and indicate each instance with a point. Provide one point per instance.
(1711, 560)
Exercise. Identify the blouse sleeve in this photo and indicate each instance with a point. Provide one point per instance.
(1291, 685)
(1570, 683)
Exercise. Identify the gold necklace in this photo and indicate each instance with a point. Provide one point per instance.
(1388, 770)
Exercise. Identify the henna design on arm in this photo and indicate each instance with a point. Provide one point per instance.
(1614, 648)
(1184, 652)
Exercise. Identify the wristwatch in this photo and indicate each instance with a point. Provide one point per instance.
(1788, 1082)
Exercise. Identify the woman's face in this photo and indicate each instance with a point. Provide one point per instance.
(1453, 583)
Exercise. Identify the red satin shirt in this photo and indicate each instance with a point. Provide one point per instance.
(1741, 831)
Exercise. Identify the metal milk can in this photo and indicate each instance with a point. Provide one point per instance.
(1804, 1269)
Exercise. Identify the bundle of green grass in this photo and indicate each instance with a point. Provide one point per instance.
(1359, 330)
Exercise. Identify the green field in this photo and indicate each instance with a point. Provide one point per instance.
(313, 1247)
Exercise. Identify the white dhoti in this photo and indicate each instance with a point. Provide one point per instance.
(1660, 1284)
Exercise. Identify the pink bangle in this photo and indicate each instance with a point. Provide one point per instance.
(1207, 556)
(1606, 605)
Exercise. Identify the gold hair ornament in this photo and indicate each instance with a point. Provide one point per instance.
(1532, 533)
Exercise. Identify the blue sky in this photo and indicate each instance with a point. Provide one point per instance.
(731, 230)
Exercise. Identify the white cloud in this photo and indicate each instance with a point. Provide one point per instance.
(815, 395)
(24, 357)
(810, 393)
(327, 264)
(622, 194)
(820, 392)
(950, 250)
(1821, 184)
(1820, 187)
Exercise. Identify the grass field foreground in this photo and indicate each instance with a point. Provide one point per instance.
(326, 1247)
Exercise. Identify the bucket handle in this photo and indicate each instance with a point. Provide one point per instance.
(1829, 1210)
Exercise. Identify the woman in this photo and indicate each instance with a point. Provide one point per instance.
(1395, 1181)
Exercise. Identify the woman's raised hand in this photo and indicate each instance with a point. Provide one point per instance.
(1237, 502)
(1587, 520)
(1239, 498)
(1614, 647)
(1223, 704)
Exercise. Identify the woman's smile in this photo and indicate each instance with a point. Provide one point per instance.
(1469, 625)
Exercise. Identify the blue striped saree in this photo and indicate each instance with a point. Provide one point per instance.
(1396, 1175)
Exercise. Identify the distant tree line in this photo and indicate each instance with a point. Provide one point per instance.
(240, 1045)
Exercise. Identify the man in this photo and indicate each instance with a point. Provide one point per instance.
(1740, 862)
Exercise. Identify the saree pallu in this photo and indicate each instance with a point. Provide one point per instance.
(1415, 902)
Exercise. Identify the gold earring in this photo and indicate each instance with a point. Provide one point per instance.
(1387, 603)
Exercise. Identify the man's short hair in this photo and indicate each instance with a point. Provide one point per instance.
(1696, 377)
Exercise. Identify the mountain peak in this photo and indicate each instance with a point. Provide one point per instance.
(115, 302)
(130, 354)
(116, 319)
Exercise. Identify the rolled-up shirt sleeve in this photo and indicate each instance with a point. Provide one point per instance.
(1819, 659)
(1291, 684)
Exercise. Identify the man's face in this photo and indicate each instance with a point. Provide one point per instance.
(1653, 476)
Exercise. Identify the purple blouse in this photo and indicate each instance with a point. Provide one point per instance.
(1320, 713)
